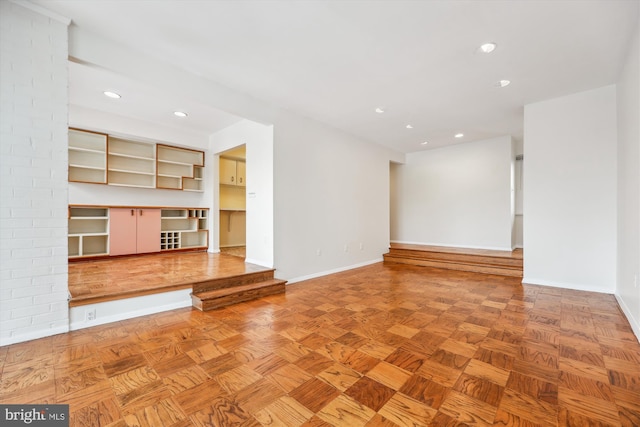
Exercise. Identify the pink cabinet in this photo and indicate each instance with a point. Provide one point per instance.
(134, 231)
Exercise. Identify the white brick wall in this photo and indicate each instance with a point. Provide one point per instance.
(33, 174)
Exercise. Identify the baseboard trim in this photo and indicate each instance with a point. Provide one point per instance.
(33, 335)
(573, 286)
(333, 271)
(635, 326)
(446, 245)
(258, 262)
(114, 311)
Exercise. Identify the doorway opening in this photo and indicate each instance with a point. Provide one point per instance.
(233, 205)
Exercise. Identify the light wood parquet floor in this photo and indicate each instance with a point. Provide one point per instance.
(383, 345)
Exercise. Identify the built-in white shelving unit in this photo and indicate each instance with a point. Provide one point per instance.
(88, 231)
(180, 168)
(98, 158)
(131, 163)
(180, 228)
(184, 228)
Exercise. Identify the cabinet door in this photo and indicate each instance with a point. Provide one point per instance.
(148, 231)
(241, 173)
(227, 171)
(122, 231)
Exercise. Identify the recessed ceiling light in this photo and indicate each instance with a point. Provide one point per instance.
(379, 110)
(459, 135)
(180, 113)
(409, 127)
(424, 143)
(112, 94)
(503, 83)
(488, 47)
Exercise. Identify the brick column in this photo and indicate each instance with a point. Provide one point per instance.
(33, 173)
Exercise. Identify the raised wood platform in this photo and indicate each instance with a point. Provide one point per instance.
(502, 263)
(120, 278)
(223, 291)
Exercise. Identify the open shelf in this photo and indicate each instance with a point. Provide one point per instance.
(131, 179)
(88, 231)
(131, 149)
(180, 168)
(131, 163)
(87, 157)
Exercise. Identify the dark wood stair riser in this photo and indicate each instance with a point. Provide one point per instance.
(228, 282)
(223, 297)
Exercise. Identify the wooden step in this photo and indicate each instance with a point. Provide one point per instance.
(222, 297)
(503, 263)
(231, 281)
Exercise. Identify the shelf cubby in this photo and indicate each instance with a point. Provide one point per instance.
(193, 239)
(88, 231)
(180, 155)
(132, 149)
(169, 182)
(131, 179)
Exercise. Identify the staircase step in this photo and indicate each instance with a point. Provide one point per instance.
(458, 257)
(232, 281)
(503, 263)
(476, 268)
(223, 297)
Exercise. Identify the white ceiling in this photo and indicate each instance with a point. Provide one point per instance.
(141, 101)
(336, 61)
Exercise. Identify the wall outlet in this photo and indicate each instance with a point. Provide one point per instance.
(90, 315)
(346, 247)
(361, 246)
(318, 252)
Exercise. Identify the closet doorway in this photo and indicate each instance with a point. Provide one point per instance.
(233, 201)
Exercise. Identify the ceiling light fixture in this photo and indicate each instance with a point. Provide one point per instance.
(180, 114)
(379, 110)
(459, 135)
(488, 47)
(424, 143)
(503, 83)
(112, 94)
(409, 127)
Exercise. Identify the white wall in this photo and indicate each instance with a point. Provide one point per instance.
(570, 186)
(33, 174)
(331, 199)
(259, 191)
(455, 196)
(518, 170)
(628, 97)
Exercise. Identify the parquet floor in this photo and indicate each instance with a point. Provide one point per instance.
(239, 251)
(383, 345)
